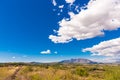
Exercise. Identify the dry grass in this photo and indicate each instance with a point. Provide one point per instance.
(6, 72)
(63, 72)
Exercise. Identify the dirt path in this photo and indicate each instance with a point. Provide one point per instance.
(13, 76)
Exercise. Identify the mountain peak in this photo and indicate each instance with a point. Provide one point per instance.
(79, 60)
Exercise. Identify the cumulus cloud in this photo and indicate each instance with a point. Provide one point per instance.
(45, 52)
(70, 1)
(110, 48)
(98, 16)
(106, 59)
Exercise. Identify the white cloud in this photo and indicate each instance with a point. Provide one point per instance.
(111, 59)
(45, 52)
(56, 52)
(58, 14)
(70, 1)
(61, 6)
(13, 57)
(54, 2)
(106, 59)
(110, 48)
(77, 8)
(99, 15)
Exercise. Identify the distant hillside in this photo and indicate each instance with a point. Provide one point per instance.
(35, 63)
(81, 61)
(118, 61)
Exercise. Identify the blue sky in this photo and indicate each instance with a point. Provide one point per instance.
(26, 26)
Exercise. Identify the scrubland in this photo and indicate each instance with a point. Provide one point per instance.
(57, 71)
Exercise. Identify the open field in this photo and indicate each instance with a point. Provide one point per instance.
(60, 72)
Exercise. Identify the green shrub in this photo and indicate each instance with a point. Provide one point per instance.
(35, 77)
(81, 72)
(112, 73)
(28, 69)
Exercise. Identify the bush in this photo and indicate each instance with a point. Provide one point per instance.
(81, 72)
(28, 69)
(35, 77)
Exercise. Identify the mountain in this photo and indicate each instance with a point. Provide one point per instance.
(79, 60)
(34, 63)
(118, 61)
